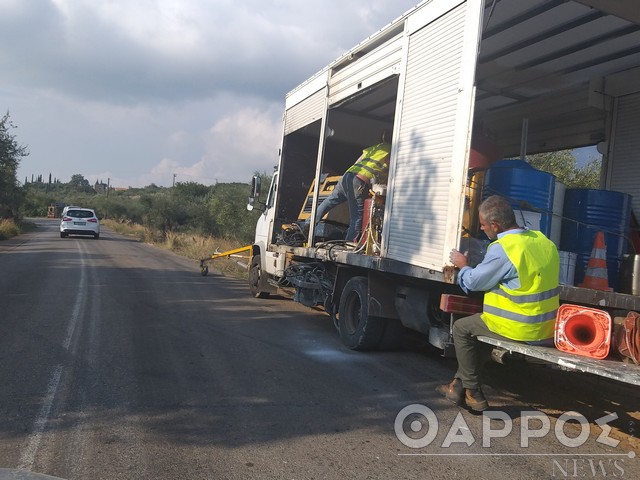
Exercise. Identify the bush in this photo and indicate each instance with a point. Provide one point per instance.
(8, 229)
(188, 208)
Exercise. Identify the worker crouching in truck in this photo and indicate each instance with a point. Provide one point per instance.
(519, 275)
(371, 167)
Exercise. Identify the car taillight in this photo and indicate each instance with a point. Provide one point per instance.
(93, 220)
(67, 219)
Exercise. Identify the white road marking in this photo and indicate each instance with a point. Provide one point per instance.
(80, 296)
(28, 456)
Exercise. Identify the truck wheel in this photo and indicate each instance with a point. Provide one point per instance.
(358, 330)
(257, 281)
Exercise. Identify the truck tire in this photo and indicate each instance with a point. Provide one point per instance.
(358, 330)
(257, 281)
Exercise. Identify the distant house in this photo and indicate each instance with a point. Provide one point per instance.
(100, 187)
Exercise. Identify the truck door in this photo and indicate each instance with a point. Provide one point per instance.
(431, 141)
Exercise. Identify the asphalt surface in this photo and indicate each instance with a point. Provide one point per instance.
(118, 360)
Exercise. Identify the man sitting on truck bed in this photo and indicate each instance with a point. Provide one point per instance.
(371, 167)
(519, 275)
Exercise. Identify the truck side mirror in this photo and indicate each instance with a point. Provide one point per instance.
(256, 184)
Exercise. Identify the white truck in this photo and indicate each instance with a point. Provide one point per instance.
(533, 75)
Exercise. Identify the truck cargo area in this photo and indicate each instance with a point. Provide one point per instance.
(469, 89)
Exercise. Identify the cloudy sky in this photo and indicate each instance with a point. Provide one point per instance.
(136, 91)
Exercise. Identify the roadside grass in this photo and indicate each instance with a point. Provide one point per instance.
(10, 228)
(195, 247)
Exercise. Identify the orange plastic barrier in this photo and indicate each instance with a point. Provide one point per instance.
(596, 276)
(584, 331)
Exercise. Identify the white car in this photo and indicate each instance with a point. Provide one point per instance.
(66, 209)
(80, 221)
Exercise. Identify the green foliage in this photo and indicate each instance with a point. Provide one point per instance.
(116, 206)
(8, 229)
(11, 196)
(79, 184)
(589, 175)
(218, 210)
(163, 213)
(227, 202)
(191, 190)
(563, 165)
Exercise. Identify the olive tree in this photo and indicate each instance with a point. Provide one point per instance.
(10, 154)
(563, 164)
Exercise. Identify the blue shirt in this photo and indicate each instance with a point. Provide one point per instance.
(495, 268)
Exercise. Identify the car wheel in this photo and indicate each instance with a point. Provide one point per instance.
(96, 236)
(63, 235)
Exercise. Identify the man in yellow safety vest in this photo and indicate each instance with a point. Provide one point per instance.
(519, 275)
(371, 167)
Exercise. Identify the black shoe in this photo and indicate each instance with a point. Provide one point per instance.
(474, 398)
(452, 391)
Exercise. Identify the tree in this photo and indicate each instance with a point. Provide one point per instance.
(190, 190)
(589, 175)
(80, 184)
(10, 154)
(228, 206)
(563, 165)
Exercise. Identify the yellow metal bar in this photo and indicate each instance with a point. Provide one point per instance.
(204, 269)
(231, 252)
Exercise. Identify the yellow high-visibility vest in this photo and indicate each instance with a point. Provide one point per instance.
(527, 313)
(374, 162)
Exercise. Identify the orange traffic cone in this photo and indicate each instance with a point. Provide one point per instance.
(583, 330)
(596, 276)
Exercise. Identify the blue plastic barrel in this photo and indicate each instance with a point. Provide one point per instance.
(527, 189)
(588, 211)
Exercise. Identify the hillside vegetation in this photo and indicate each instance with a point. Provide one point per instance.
(191, 219)
(187, 208)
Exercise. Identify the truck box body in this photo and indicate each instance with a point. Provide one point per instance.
(530, 75)
(432, 108)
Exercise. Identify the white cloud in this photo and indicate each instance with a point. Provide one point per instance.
(144, 89)
(249, 130)
(235, 147)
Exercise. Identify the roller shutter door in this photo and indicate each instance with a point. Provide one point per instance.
(429, 172)
(305, 112)
(625, 172)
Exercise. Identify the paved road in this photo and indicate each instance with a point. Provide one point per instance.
(119, 361)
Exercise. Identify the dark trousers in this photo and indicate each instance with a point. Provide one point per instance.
(471, 354)
(349, 189)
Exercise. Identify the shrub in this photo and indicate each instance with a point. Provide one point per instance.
(8, 229)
